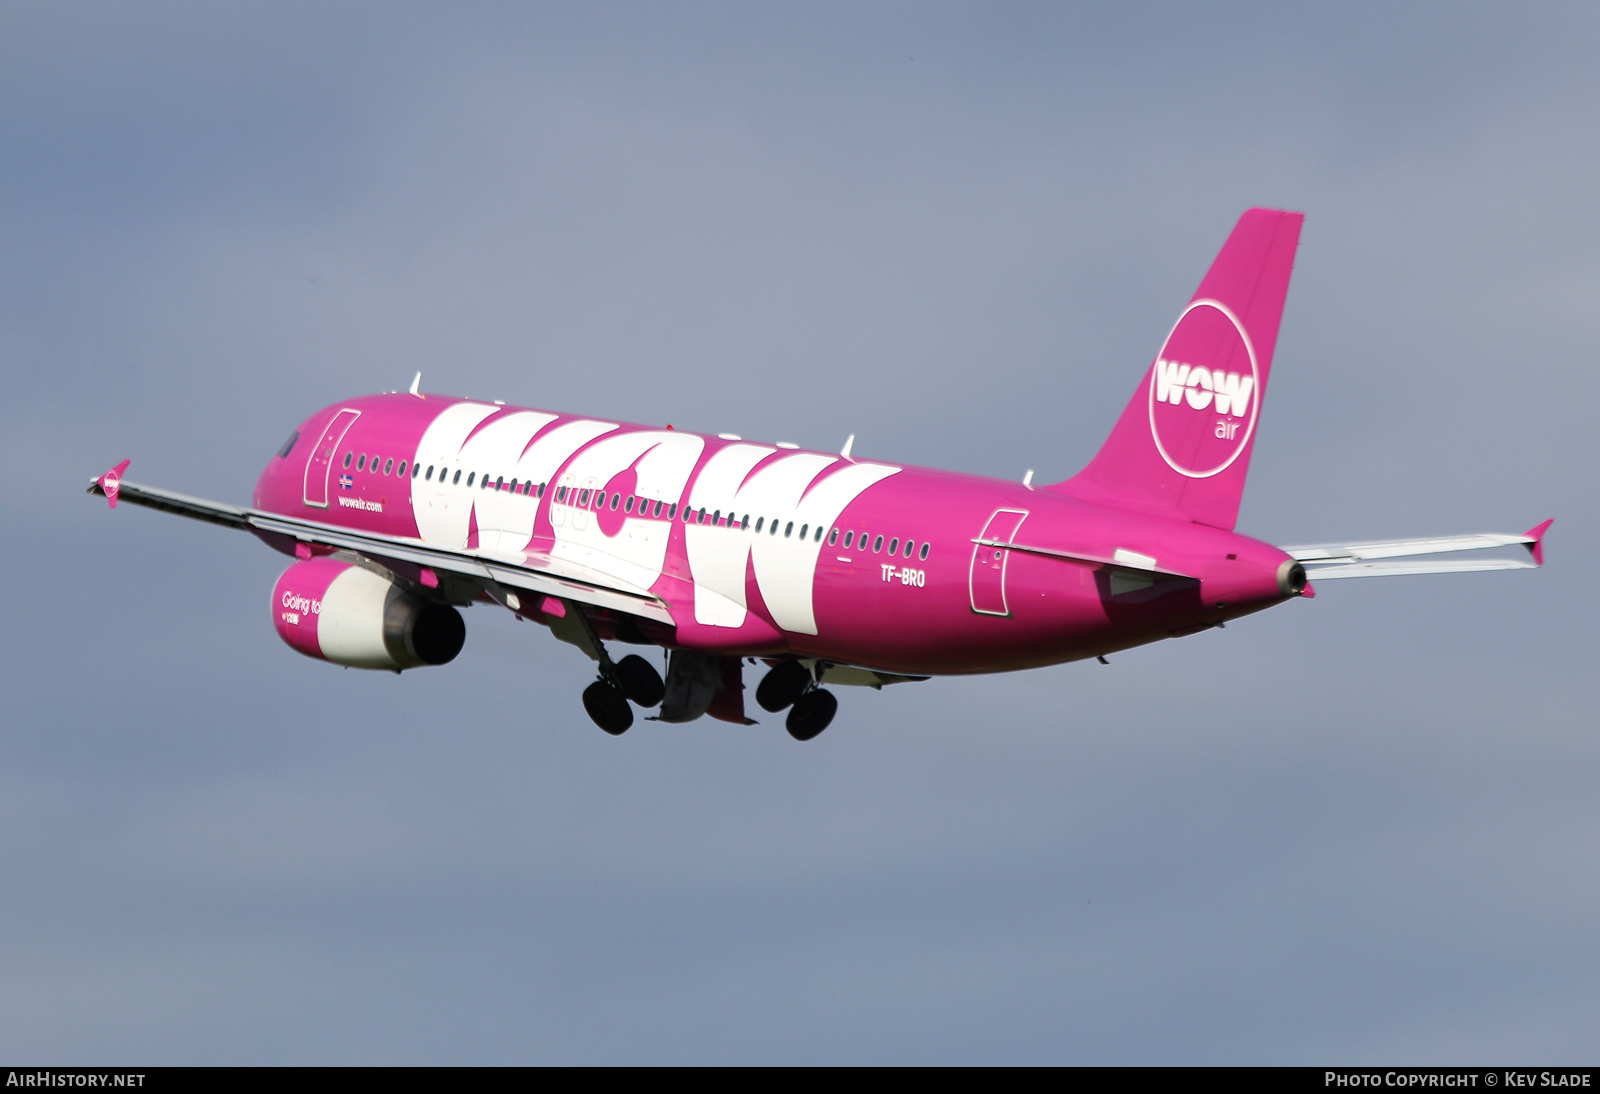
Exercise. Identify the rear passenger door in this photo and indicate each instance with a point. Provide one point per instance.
(987, 577)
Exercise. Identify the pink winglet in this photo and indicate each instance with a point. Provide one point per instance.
(111, 482)
(1308, 592)
(1536, 548)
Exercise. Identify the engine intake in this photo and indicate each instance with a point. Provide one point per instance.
(339, 612)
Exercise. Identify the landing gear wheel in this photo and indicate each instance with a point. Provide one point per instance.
(640, 681)
(608, 707)
(811, 714)
(782, 686)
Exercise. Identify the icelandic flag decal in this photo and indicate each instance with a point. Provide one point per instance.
(346, 482)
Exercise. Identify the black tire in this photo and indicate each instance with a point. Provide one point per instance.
(782, 686)
(608, 707)
(811, 714)
(640, 681)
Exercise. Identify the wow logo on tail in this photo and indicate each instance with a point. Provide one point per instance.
(1202, 415)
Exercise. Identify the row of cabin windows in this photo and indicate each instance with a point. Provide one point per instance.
(860, 540)
(362, 461)
(602, 500)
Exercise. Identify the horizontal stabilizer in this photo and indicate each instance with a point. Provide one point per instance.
(1336, 560)
(1400, 569)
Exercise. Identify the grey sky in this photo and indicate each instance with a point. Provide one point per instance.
(1359, 828)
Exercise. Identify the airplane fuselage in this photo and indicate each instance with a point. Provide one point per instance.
(769, 550)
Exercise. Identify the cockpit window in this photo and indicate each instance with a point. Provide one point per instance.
(288, 445)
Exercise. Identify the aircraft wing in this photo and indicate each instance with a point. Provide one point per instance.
(530, 572)
(1395, 557)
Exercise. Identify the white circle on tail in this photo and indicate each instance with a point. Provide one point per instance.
(1205, 391)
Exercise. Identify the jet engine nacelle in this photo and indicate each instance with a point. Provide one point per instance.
(339, 612)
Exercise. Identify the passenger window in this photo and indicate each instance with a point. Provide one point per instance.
(628, 505)
(561, 494)
(894, 545)
(583, 497)
(877, 545)
(833, 537)
(500, 482)
(347, 457)
(848, 536)
(388, 465)
(283, 453)
(702, 514)
(923, 554)
(672, 511)
(789, 531)
(541, 489)
(803, 528)
(817, 538)
(744, 524)
(402, 469)
(909, 545)
(657, 511)
(615, 498)
(429, 475)
(716, 518)
(457, 480)
(361, 464)
(774, 530)
(759, 522)
(470, 476)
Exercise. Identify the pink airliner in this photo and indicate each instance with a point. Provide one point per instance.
(403, 507)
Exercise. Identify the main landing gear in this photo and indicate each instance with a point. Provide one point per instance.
(790, 684)
(696, 683)
(633, 679)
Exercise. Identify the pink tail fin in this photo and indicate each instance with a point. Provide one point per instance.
(1182, 446)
